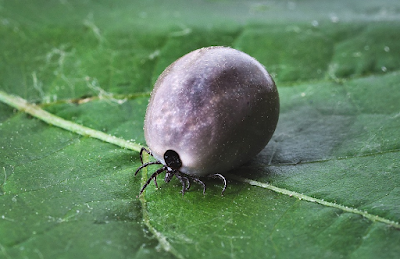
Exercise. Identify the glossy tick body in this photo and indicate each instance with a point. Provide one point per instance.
(210, 111)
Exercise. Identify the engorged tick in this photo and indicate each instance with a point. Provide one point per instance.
(210, 111)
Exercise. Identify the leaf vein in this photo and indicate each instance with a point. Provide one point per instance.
(365, 214)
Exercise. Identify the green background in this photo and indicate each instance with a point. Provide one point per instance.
(336, 65)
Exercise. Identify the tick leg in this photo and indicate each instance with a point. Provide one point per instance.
(187, 183)
(168, 176)
(141, 153)
(220, 176)
(154, 175)
(186, 180)
(184, 177)
(197, 180)
(146, 164)
(155, 182)
(183, 181)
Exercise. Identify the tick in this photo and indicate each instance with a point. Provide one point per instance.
(210, 111)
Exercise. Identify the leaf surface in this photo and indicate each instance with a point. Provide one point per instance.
(326, 186)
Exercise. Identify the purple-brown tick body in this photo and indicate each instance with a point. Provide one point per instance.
(210, 111)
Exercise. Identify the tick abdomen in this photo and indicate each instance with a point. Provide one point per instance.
(216, 107)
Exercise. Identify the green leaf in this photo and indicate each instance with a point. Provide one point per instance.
(326, 186)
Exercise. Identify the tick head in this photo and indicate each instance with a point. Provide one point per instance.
(172, 159)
